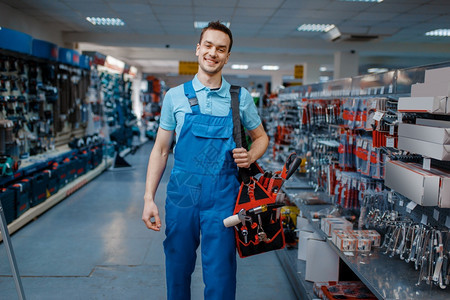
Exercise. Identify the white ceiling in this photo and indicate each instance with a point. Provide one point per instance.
(157, 33)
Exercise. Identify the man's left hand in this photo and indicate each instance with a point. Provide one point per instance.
(242, 157)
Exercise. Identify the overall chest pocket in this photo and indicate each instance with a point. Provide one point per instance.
(212, 131)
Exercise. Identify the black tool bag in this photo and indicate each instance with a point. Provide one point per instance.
(262, 230)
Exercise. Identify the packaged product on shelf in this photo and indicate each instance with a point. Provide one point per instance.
(438, 135)
(425, 187)
(345, 242)
(432, 105)
(329, 224)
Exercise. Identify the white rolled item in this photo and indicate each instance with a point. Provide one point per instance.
(231, 221)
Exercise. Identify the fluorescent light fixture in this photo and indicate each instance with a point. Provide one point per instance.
(438, 32)
(377, 1)
(239, 67)
(377, 70)
(322, 69)
(105, 21)
(203, 24)
(270, 68)
(316, 27)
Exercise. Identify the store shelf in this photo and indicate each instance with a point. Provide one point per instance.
(387, 278)
(64, 192)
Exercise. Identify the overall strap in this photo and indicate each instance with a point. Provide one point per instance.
(237, 134)
(191, 95)
(238, 129)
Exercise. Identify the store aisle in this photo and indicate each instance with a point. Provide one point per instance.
(93, 245)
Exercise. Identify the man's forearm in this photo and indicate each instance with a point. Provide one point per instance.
(258, 147)
(155, 170)
(157, 162)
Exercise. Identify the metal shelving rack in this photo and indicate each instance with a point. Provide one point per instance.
(387, 278)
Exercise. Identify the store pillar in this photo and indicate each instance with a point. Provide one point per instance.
(345, 64)
(312, 72)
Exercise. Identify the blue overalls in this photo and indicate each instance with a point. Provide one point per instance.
(201, 192)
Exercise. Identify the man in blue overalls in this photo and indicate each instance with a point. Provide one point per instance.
(203, 185)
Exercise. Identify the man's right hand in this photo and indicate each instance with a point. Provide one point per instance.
(151, 211)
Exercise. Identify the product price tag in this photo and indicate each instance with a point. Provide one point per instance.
(391, 129)
(391, 87)
(400, 203)
(390, 197)
(373, 104)
(436, 214)
(359, 143)
(411, 205)
(424, 219)
(390, 142)
(426, 163)
(347, 253)
(378, 115)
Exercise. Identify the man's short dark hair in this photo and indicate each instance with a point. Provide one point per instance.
(216, 25)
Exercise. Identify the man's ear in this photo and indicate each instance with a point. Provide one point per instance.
(197, 49)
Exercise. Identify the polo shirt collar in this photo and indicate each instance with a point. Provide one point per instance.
(223, 91)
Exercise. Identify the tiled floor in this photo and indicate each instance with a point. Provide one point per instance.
(93, 245)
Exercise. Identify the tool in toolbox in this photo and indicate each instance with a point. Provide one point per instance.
(257, 218)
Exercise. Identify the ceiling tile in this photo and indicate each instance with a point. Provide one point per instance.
(134, 8)
(392, 7)
(254, 12)
(260, 3)
(179, 10)
(316, 4)
(164, 2)
(225, 12)
(353, 29)
(173, 17)
(431, 9)
(382, 30)
(350, 6)
(374, 16)
(215, 3)
(333, 15)
(410, 16)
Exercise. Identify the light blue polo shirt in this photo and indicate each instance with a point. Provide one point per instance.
(212, 102)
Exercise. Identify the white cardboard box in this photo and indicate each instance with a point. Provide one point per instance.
(431, 134)
(434, 123)
(430, 89)
(432, 105)
(303, 238)
(322, 263)
(437, 75)
(427, 149)
(426, 188)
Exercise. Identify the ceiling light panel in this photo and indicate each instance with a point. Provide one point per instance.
(438, 32)
(316, 27)
(105, 21)
(270, 68)
(239, 67)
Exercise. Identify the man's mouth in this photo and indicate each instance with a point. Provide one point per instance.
(210, 61)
